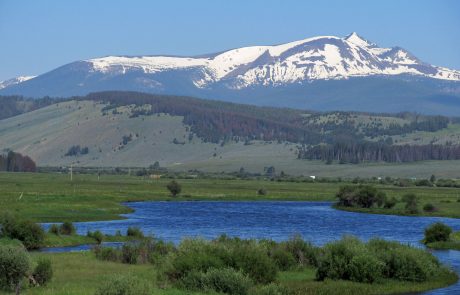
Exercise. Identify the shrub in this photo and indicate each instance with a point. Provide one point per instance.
(54, 229)
(261, 192)
(97, 235)
(336, 258)
(194, 255)
(390, 202)
(429, 207)
(256, 264)
(365, 268)
(228, 281)
(30, 234)
(124, 285)
(134, 232)
(364, 196)
(223, 280)
(67, 228)
(437, 232)
(43, 272)
(411, 203)
(283, 259)
(403, 262)
(14, 266)
(107, 253)
(129, 253)
(174, 188)
(304, 252)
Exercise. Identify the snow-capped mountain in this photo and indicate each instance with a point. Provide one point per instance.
(324, 73)
(14, 81)
(325, 57)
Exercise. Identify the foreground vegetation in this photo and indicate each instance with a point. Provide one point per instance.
(234, 266)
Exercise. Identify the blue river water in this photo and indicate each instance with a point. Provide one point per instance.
(317, 222)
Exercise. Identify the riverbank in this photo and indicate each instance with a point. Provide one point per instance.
(71, 269)
(453, 244)
(52, 197)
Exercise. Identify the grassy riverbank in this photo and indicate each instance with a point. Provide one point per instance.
(52, 197)
(71, 269)
(452, 244)
(52, 240)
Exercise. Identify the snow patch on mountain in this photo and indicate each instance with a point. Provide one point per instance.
(14, 81)
(323, 57)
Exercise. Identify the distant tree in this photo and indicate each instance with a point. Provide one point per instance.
(433, 179)
(411, 203)
(174, 188)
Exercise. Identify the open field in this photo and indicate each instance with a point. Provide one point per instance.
(52, 197)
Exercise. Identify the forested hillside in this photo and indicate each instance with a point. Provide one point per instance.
(344, 137)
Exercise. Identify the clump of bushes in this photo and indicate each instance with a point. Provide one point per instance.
(43, 272)
(363, 196)
(67, 228)
(54, 229)
(219, 280)
(437, 232)
(124, 285)
(235, 266)
(262, 192)
(15, 265)
(134, 232)
(390, 203)
(29, 233)
(97, 235)
(429, 207)
(351, 259)
(411, 201)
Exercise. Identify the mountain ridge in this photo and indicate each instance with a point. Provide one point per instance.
(300, 74)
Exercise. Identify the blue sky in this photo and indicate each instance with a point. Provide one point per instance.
(38, 36)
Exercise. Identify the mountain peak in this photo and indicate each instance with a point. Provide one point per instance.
(358, 40)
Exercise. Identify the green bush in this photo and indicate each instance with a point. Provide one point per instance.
(390, 203)
(223, 280)
(129, 253)
(228, 281)
(195, 255)
(54, 229)
(304, 252)
(351, 259)
(174, 188)
(262, 192)
(437, 232)
(124, 285)
(134, 232)
(29, 233)
(67, 228)
(411, 203)
(283, 259)
(43, 272)
(336, 258)
(255, 263)
(429, 207)
(97, 235)
(107, 253)
(14, 266)
(365, 268)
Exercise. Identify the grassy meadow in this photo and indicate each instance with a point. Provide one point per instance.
(52, 197)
